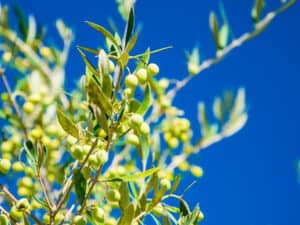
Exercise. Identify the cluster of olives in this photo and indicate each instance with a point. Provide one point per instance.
(141, 76)
(138, 126)
(175, 130)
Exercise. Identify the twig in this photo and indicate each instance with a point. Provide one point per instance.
(24, 48)
(14, 200)
(13, 102)
(260, 27)
(63, 197)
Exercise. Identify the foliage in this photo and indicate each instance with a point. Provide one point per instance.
(110, 151)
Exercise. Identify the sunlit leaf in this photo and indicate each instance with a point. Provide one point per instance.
(80, 185)
(66, 123)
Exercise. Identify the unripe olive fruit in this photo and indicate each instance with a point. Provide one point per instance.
(133, 139)
(15, 214)
(136, 120)
(37, 133)
(28, 107)
(46, 219)
(152, 69)
(113, 195)
(78, 220)
(197, 171)
(22, 204)
(4, 220)
(98, 214)
(7, 146)
(173, 142)
(128, 92)
(4, 166)
(131, 81)
(163, 83)
(34, 98)
(25, 182)
(165, 184)
(24, 191)
(6, 57)
(144, 128)
(18, 166)
(102, 156)
(142, 75)
(46, 52)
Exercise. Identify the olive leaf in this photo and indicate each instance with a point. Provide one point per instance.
(214, 26)
(66, 123)
(87, 62)
(97, 97)
(129, 26)
(125, 196)
(127, 215)
(80, 185)
(143, 108)
(105, 32)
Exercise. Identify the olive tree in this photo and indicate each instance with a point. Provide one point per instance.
(111, 151)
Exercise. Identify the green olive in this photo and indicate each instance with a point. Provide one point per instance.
(78, 220)
(131, 81)
(142, 75)
(4, 219)
(15, 213)
(98, 214)
(144, 128)
(22, 204)
(18, 166)
(102, 156)
(7, 146)
(28, 107)
(152, 69)
(133, 139)
(4, 166)
(135, 120)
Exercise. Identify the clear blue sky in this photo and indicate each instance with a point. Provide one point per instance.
(250, 179)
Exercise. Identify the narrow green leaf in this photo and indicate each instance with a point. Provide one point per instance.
(80, 185)
(125, 196)
(131, 43)
(257, 9)
(175, 184)
(23, 27)
(214, 26)
(66, 123)
(25, 220)
(97, 97)
(144, 60)
(143, 108)
(87, 62)
(103, 31)
(32, 28)
(129, 26)
(136, 176)
(202, 117)
(87, 49)
(184, 207)
(223, 35)
(103, 63)
(127, 215)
